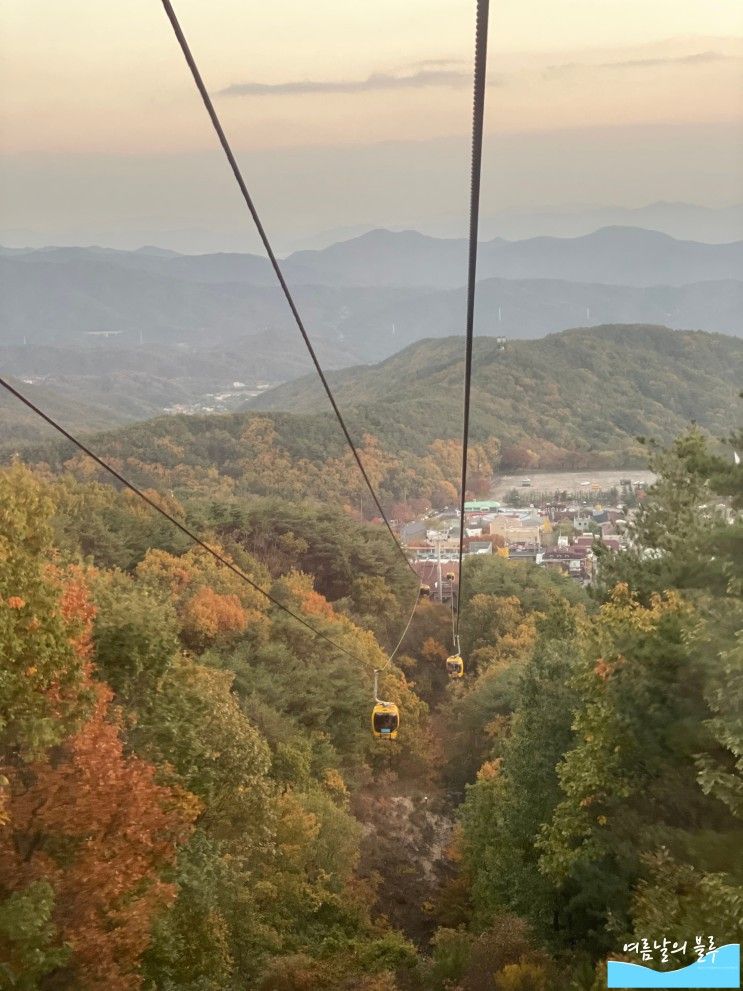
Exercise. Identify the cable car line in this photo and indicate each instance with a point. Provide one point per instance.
(478, 115)
(185, 530)
(207, 101)
(404, 632)
(453, 619)
(385, 715)
(385, 718)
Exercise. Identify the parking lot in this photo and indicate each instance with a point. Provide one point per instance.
(568, 481)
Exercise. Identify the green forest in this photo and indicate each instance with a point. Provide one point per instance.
(523, 417)
(192, 799)
(573, 400)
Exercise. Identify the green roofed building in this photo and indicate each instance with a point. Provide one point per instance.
(481, 506)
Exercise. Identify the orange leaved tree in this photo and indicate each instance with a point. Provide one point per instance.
(85, 830)
(94, 824)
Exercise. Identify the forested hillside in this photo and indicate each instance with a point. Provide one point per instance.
(608, 808)
(575, 400)
(192, 800)
(179, 759)
(96, 387)
(587, 392)
(19, 426)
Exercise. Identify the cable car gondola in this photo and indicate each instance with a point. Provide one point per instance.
(455, 666)
(426, 591)
(385, 719)
(450, 576)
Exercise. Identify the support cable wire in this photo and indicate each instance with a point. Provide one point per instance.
(189, 533)
(404, 632)
(453, 622)
(273, 260)
(481, 50)
(378, 671)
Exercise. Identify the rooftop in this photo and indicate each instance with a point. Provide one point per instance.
(481, 505)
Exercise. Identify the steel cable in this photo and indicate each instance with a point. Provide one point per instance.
(478, 115)
(191, 62)
(184, 529)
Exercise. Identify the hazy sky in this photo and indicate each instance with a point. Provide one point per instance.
(357, 113)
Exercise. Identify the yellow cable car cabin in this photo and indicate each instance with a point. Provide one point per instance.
(426, 590)
(385, 720)
(455, 666)
(450, 576)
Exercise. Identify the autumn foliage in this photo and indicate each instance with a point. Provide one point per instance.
(95, 825)
(209, 616)
(175, 810)
(81, 819)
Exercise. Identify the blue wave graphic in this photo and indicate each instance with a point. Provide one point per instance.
(720, 969)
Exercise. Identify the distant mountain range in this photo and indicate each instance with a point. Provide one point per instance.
(365, 298)
(612, 255)
(687, 221)
(128, 334)
(530, 308)
(684, 220)
(629, 256)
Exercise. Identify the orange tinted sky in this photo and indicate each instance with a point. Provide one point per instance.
(89, 78)
(86, 75)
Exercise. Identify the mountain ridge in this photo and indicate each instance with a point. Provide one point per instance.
(532, 257)
(71, 296)
(615, 381)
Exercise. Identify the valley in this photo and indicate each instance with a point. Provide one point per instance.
(371, 496)
(115, 337)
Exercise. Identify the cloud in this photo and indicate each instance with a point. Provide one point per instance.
(377, 82)
(436, 63)
(696, 58)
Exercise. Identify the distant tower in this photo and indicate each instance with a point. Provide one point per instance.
(500, 317)
(588, 313)
(394, 332)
